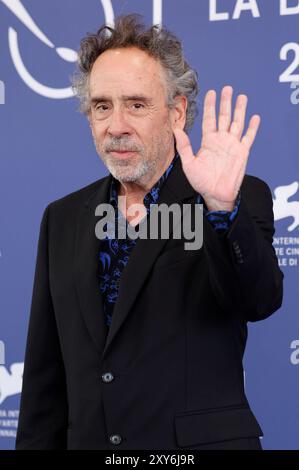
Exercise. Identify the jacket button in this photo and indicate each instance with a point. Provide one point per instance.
(107, 377)
(115, 439)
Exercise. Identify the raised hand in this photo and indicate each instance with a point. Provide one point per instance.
(218, 168)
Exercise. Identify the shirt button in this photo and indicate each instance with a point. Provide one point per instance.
(115, 439)
(107, 377)
(235, 244)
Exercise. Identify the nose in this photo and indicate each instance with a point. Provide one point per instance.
(118, 125)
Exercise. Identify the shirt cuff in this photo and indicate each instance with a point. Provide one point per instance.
(220, 220)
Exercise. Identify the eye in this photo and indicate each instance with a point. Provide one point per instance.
(101, 107)
(138, 105)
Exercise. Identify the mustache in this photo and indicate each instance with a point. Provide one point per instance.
(121, 145)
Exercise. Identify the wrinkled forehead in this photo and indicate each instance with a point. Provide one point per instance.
(126, 71)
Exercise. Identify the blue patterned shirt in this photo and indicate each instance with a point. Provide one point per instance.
(115, 252)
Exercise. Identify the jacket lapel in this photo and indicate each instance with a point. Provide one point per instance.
(86, 264)
(176, 189)
(87, 247)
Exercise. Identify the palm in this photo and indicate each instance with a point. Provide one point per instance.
(220, 159)
(218, 168)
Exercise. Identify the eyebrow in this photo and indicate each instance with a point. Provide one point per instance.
(105, 99)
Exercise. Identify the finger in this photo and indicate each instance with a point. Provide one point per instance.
(225, 108)
(249, 137)
(183, 145)
(237, 126)
(209, 113)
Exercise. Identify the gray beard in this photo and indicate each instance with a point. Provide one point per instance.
(126, 172)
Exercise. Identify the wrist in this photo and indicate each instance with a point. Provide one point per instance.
(214, 205)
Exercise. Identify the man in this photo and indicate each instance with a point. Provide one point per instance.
(138, 343)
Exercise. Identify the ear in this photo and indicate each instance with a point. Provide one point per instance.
(178, 112)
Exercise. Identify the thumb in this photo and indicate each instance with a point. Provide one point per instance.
(183, 145)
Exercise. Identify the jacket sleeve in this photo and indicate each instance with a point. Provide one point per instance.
(43, 409)
(243, 267)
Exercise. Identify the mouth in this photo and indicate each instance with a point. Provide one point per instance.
(122, 153)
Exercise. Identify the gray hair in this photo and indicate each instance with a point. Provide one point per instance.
(157, 41)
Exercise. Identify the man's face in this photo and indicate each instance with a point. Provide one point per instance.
(130, 121)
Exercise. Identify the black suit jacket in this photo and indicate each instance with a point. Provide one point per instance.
(174, 349)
